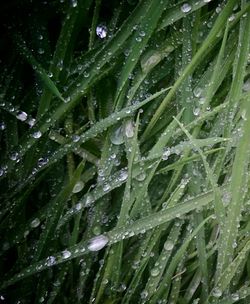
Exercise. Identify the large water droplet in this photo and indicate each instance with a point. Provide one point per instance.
(97, 243)
(155, 272)
(117, 136)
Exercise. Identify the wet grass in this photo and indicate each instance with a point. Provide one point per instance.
(125, 143)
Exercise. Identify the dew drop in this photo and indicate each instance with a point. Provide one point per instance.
(21, 116)
(50, 260)
(155, 272)
(117, 136)
(37, 134)
(35, 223)
(2, 126)
(78, 187)
(197, 92)
(97, 243)
(123, 176)
(168, 245)
(129, 129)
(101, 31)
(166, 153)
(66, 254)
(185, 8)
(141, 177)
(217, 293)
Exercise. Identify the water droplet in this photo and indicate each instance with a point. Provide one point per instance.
(35, 223)
(168, 245)
(21, 116)
(235, 296)
(155, 272)
(141, 177)
(166, 153)
(129, 129)
(78, 187)
(138, 39)
(123, 176)
(66, 254)
(74, 3)
(2, 126)
(37, 134)
(197, 92)
(101, 31)
(42, 162)
(117, 136)
(196, 111)
(97, 243)
(14, 156)
(106, 187)
(246, 85)
(186, 8)
(31, 122)
(217, 293)
(144, 294)
(206, 1)
(78, 206)
(50, 260)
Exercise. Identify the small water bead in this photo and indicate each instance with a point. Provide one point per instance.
(138, 39)
(21, 115)
(75, 138)
(144, 295)
(123, 176)
(231, 18)
(101, 31)
(185, 8)
(166, 153)
(50, 260)
(66, 254)
(31, 122)
(196, 111)
(14, 156)
(155, 272)
(89, 200)
(168, 245)
(142, 33)
(141, 177)
(74, 3)
(106, 187)
(40, 51)
(206, 1)
(235, 297)
(246, 85)
(78, 187)
(217, 293)
(37, 134)
(197, 92)
(2, 126)
(97, 243)
(42, 161)
(35, 223)
(50, 74)
(78, 206)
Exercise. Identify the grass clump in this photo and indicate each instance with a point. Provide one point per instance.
(125, 139)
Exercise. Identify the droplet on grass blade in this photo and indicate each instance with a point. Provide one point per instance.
(101, 31)
(185, 8)
(66, 254)
(78, 187)
(97, 243)
(37, 134)
(35, 223)
(21, 115)
(117, 137)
